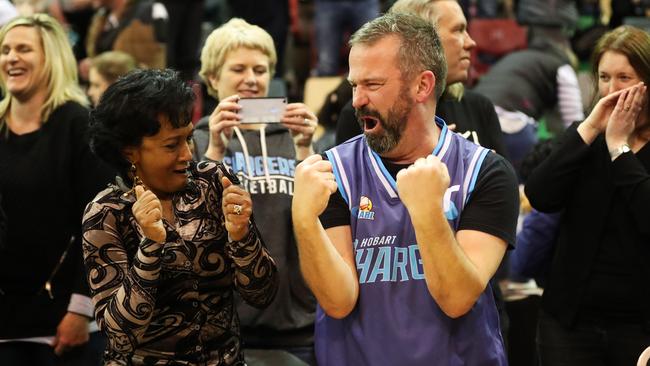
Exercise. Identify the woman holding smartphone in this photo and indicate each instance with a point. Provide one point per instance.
(237, 61)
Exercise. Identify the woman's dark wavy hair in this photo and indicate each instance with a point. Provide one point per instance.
(130, 109)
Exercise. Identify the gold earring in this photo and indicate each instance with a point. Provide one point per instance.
(136, 180)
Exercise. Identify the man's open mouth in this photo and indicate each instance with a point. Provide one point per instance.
(369, 123)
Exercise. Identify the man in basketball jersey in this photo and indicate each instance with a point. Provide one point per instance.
(400, 229)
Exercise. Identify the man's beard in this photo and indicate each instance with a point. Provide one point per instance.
(392, 126)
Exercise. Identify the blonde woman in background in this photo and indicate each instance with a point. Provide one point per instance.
(237, 61)
(48, 175)
(104, 71)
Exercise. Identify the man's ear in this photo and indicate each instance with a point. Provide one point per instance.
(426, 86)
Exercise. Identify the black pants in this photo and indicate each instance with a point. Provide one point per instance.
(185, 18)
(290, 356)
(38, 354)
(589, 344)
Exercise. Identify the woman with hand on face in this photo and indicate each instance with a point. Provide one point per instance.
(168, 245)
(237, 61)
(47, 176)
(596, 305)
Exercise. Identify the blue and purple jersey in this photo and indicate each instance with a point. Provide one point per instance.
(396, 321)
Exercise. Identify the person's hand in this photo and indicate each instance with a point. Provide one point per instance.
(71, 332)
(148, 212)
(301, 122)
(422, 186)
(622, 121)
(221, 122)
(596, 121)
(313, 184)
(237, 208)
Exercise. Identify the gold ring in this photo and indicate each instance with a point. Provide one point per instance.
(306, 122)
(626, 108)
(237, 209)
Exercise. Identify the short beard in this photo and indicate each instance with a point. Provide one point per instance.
(393, 125)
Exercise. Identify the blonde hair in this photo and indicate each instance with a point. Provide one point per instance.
(113, 64)
(425, 9)
(235, 34)
(59, 66)
(422, 8)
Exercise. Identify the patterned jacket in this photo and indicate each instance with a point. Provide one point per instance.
(172, 303)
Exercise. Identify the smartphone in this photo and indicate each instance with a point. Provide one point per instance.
(262, 110)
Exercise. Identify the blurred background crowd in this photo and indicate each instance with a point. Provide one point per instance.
(530, 58)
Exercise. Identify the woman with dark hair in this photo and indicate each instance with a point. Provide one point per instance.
(166, 247)
(595, 308)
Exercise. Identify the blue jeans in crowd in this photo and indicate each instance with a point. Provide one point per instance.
(332, 20)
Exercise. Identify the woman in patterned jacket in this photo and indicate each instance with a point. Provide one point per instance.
(164, 257)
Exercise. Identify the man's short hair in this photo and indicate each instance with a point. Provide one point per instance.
(420, 47)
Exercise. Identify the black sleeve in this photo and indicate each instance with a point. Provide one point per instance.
(3, 225)
(334, 103)
(550, 185)
(493, 206)
(476, 113)
(491, 126)
(336, 213)
(347, 125)
(632, 179)
(160, 21)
